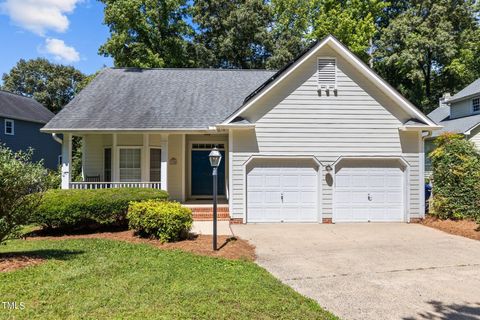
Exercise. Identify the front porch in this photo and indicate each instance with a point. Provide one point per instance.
(175, 162)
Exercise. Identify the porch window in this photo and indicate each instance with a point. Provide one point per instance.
(130, 168)
(107, 165)
(155, 165)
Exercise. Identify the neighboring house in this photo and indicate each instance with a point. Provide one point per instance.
(323, 139)
(21, 119)
(459, 114)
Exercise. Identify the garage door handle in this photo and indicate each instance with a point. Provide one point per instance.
(281, 196)
(369, 197)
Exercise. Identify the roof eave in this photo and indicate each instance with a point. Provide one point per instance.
(126, 130)
(23, 119)
(455, 100)
(420, 128)
(236, 126)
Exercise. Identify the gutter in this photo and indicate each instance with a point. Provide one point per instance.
(56, 138)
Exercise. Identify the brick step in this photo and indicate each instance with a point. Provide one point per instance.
(206, 213)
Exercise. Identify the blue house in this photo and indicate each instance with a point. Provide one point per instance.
(20, 121)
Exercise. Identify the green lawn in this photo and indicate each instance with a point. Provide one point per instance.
(106, 279)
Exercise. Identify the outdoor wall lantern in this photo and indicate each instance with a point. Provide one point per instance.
(215, 158)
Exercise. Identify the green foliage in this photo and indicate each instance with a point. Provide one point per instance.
(430, 48)
(456, 174)
(76, 208)
(354, 22)
(167, 221)
(147, 33)
(53, 85)
(232, 34)
(21, 184)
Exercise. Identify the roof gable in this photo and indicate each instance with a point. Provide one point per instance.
(346, 54)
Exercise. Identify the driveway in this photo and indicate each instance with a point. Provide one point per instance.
(373, 271)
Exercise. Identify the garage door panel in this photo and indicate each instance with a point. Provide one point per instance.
(271, 181)
(342, 181)
(299, 188)
(369, 194)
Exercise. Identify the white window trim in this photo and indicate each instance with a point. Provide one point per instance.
(473, 108)
(12, 122)
(118, 155)
(319, 86)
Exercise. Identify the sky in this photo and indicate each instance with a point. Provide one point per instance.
(63, 31)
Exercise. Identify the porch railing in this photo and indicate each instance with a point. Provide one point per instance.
(108, 185)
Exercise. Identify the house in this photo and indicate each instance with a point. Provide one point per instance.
(323, 139)
(459, 114)
(21, 119)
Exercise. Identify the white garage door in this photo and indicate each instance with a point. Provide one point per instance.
(278, 193)
(369, 194)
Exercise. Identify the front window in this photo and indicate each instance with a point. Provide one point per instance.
(476, 105)
(9, 127)
(130, 169)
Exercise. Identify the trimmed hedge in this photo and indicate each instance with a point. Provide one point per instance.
(456, 173)
(167, 221)
(77, 208)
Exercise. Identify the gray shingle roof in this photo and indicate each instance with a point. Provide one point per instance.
(18, 107)
(470, 90)
(158, 99)
(441, 115)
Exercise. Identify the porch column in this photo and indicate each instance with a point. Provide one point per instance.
(115, 175)
(146, 158)
(66, 160)
(164, 164)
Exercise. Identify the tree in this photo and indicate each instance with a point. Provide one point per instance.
(53, 85)
(430, 48)
(292, 21)
(353, 22)
(232, 33)
(147, 33)
(21, 184)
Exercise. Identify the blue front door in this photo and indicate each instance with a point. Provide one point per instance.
(202, 181)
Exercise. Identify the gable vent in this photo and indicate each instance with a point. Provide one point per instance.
(327, 74)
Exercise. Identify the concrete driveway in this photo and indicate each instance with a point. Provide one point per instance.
(373, 271)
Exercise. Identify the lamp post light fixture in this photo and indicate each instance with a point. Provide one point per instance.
(215, 158)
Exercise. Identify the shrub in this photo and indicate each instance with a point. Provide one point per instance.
(456, 173)
(167, 221)
(77, 208)
(21, 184)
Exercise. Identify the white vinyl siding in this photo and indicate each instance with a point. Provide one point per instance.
(130, 165)
(294, 120)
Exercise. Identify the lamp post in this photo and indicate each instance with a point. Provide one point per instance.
(215, 158)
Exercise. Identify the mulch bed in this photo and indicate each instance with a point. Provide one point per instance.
(12, 261)
(465, 228)
(230, 247)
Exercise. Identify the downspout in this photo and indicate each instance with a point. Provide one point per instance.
(56, 138)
